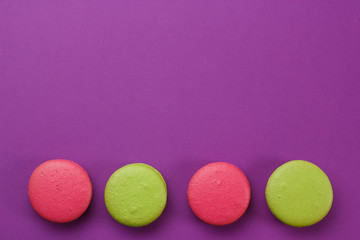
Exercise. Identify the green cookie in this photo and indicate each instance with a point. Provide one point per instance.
(135, 195)
(299, 193)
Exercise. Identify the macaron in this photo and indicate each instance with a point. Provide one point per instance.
(135, 195)
(60, 190)
(219, 193)
(299, 193)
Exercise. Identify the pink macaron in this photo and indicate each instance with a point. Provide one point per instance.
(219, 193)
(60, 190)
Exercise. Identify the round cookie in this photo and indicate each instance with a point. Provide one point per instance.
(219, 193)
(60, 190)
(135, 195)
(299, 193)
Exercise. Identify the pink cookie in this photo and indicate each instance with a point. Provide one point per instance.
(219, 193)
(60, 190)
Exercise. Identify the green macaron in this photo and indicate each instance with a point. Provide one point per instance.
(135, 195)
(299, 193)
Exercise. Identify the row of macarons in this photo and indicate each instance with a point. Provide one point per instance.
(298, 193)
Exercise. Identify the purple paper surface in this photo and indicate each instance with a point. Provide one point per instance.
(178, 84)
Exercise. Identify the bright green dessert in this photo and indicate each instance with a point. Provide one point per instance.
(135, 195)
(299, 193)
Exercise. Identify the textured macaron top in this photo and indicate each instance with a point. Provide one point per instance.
(60, 190)
(135, 195)
(219, 193)
(299, 193)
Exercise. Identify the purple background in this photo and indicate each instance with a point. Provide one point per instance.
(178, 84)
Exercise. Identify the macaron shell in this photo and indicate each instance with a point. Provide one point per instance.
(299, 193)
(60, 190)
(136, 195)
(219, 193)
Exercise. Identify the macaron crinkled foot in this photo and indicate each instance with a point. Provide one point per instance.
(135, 195)
(60, 190)
(219, 193)
(299, 193)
